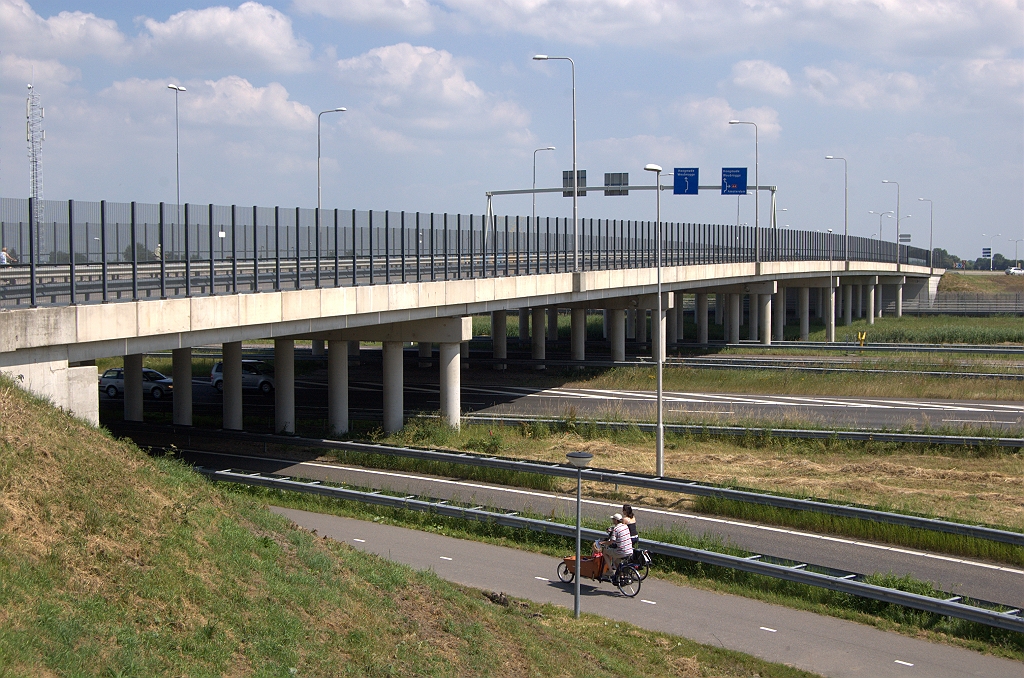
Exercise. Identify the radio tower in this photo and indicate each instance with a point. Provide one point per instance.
(35, 135)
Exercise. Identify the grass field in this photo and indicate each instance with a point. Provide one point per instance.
(112, 563)
(996, 283)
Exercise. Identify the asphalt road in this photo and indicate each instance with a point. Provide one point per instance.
(825, 645)
(961, 576)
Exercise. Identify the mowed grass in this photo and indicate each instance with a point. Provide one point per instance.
(995, 283)
(113, 563)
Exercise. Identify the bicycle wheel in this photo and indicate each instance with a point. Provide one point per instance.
(642, 570)
(563, 573)
(628, 581)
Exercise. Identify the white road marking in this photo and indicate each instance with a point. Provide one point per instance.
(765, 628)
(361, 541)
(898, 661)
(445, 558)
(542, 578)
(978, 421)
(689, 516)
(649, 602)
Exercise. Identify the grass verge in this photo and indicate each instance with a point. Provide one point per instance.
(881, 615)
(113, 563)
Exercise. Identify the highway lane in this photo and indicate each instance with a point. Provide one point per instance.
(960, 576)
(829, 646)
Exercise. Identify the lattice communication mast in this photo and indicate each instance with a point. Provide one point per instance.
(35, 135)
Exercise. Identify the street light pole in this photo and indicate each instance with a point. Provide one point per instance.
(319, 204)
(991, 254)
(931, 233)
(757, 191)
(880, 215)
(580, 460)
(1016, 261)
(546, 148)
(177, 162)
(886, 181)
(846, 216)
(575, 187)
(659, 452)
(830, 320)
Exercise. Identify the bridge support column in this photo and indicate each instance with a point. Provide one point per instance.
(735, 311)
(337, 385)
(719, 309)
(451, 385)
(672, 325)
(464, 357)
(524, 327)
(899, 301)
(604, 331)
(317, 348)
(537, 335)
(819, 303)
(499, 337)
(858, 292)
(617, 333)
(701, 306)
(871, 304)
(133, 387)
(680, 318)
(641, 327)
(879, 300)
(764, 312)
(284, 386)
(631, 323)
(803, 303)
(847, 304)
(353, 350)
(778, 302)
(754, 316)
(426, 354)
(231, 418)
(578, 321)
(394, 406)
(552, 323)
(830, 313)
(181, 373)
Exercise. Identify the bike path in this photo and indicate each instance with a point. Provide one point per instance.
(825, 645)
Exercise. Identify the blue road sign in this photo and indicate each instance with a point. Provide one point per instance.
(685, 181)
(986, 252)
(734, 181)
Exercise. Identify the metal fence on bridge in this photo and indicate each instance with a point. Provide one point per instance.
(84, 252)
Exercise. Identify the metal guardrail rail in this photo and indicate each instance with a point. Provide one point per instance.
(1010, 620)
(608, 476)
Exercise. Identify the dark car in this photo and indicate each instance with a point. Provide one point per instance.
(154, 384)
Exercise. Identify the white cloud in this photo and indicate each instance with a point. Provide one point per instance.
(39, 72)
(253, 35)
(852, 87)
(66, 34)
(231, 101)
(424, 91)
(762, 76)
(711, 117)
(414, 16)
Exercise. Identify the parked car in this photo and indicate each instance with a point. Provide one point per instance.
(255, 375)
(1015, 271)
(154, 384)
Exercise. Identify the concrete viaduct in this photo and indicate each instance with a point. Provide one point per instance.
(52, 350)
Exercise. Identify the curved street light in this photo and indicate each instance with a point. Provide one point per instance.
(880, 215)
(177, 161)
(575, 187)
(659, 453)
(319, 206)
(886, 181)
(757, 191)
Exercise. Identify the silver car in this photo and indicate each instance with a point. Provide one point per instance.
(154, 384)
(255, 375)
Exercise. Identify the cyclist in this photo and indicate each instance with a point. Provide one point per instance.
(618, 546)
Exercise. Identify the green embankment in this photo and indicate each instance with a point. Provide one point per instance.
(113, 563)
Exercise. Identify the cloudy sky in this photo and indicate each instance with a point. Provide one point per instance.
(444, 103)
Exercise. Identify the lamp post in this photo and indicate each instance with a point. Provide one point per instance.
(880, 215)
(931, 233)
(846, 207)
(580, 460)
(177, 163)
(886, 181)
(757, 190)
(992, 255)
(1016, 261)
(659, 451)
(546, 148)
(830, 321)
(340, 109)
(575, 187)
